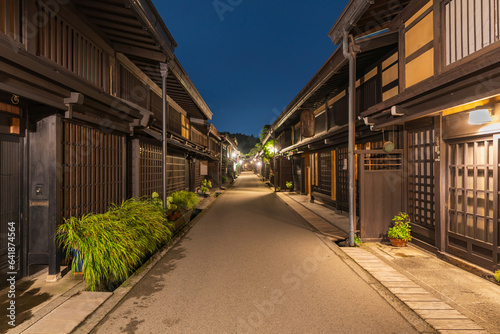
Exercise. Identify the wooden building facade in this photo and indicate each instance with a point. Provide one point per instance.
(424, 70)
(80, 117)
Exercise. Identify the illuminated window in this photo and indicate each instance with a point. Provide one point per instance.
(185, 126)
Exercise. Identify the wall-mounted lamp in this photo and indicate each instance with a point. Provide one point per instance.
(479, 116)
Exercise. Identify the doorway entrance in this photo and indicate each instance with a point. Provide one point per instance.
(473, 213)
(10, 206)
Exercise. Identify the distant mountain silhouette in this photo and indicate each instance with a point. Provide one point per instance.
(245, 142)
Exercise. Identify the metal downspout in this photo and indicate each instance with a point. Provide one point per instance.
(164, 74)
(350, 54)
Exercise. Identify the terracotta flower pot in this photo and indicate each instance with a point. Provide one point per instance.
(398, 242)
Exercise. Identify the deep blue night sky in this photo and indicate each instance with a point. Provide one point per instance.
(250, 60)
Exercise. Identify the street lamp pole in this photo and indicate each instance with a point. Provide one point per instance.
(164, 73)
(350, 50)
(274, 161)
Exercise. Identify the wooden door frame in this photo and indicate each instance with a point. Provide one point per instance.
(496, 215)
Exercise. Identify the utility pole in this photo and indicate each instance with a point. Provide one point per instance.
(350, 50)
(164, 74)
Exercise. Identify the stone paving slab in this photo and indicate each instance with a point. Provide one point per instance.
(453, 324)
(77, 308)
(465, 331)
(424, 297)
(436, 313)
(441, 314)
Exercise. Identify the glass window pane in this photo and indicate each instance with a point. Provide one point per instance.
(460, 178)
(489, 231)
(481, 179)
(470, 178)
(460, 224)
(490, 180)
(470, 226)
(460, 200)
(460, 154)
(470, 154)
(480, 154)
(481, 203)
(453, 172)
(470, 202)
(481, 229)
(453, 203)
(453, 222)
(489, 205)
(453, 154)
(490, 153)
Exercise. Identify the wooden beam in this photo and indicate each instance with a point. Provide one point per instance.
(140, 52)
(377, 42)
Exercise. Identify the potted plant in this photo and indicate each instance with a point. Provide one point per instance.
(289, 185)
(400, 233)
(205, 187)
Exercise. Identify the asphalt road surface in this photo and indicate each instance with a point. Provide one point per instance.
(250, 265)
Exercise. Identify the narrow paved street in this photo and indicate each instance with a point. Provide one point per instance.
(250, 265)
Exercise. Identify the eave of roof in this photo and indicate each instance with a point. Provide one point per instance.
(362, 17)
(322, 85)
(134, 28)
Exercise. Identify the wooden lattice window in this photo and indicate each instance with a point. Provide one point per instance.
(198, 138)
(321, 122)
(185, 126)
(342, 178)
(62, 43)
(174, 121)
(176, 172)
(93, 169)
(421, 202)
(10, 19)
(472, 189)
(469, 26)
(132, 89)
(325, 173)
(151, 169)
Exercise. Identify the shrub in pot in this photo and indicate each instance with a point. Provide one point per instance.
(205, 186)
(400, 233)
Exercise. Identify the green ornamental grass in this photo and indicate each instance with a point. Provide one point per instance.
(117, 242)
(184, 200)
(497, 275)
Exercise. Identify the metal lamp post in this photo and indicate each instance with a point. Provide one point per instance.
(164, 73)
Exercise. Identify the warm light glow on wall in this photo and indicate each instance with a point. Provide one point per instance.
(479, 116)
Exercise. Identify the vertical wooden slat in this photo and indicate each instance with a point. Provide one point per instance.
(93, 194)
(7, 17)
(496, 201)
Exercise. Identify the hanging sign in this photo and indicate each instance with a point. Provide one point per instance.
(308, 122)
